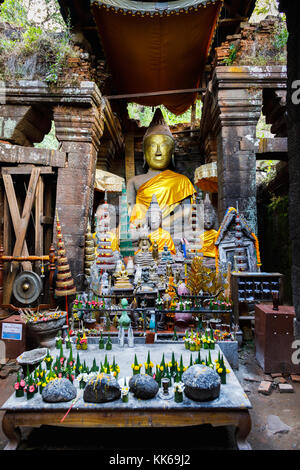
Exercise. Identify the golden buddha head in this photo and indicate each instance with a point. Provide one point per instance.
(158, 143)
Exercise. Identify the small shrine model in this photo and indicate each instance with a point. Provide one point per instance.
(236, 243)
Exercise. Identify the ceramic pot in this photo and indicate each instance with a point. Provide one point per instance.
(46, 331)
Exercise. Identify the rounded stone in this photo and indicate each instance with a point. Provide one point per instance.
(101, 388)
(59, 390)
(143, 386)
(201, 383)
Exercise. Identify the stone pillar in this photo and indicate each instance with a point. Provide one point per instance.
(292, 10)
(79, 130)
(237, 111)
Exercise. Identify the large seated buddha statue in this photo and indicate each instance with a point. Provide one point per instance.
(170, 188)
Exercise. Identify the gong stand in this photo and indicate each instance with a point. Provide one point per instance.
(21, 259)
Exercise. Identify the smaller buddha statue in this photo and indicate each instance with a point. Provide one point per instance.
(208, 237)
(143, 257)
(154, 224)
(155, 252)
(122, 280)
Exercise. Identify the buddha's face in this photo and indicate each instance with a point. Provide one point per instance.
(158, 151)
(154, 220)
(209, 219)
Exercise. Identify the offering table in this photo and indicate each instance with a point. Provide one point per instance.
(231, 408)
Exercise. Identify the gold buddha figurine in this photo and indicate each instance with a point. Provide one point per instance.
(169, 187)
(122, 280)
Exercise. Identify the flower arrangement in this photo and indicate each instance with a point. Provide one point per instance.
(159, 302)
(48, 360)
(136, 367)
(125, 392)
(81, 341)
(101, 341)
(148, 365)
(221, 368)
(114, 369)
(82, 379)
(178, 392)
(108, 345)
(37, 317)
(19, 386)
(58, 341)
(68, 341)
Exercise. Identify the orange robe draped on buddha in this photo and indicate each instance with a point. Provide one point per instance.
(170, 189)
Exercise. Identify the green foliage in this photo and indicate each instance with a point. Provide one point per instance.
(144, 114)
(232, 55)
(279, 206)
(281, 37)
(50, 141)
(264, 8)
(14, 12)
(31, 37)
(34, 50)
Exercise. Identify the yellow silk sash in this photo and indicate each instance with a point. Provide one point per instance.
(162, 237)
(208, 239)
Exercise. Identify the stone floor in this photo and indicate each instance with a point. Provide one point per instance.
(280, 409)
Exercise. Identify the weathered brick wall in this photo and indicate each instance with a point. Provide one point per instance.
(256, 44)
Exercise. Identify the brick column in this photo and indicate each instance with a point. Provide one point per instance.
(79, 130)
(237, 111)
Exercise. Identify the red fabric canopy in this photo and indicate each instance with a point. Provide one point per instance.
(157, 50)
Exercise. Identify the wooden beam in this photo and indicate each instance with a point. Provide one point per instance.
(156, 93)
(26, 170)
(21, 232)
(15, 216)
(39, 212)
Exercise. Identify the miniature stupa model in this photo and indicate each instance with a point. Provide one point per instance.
(194, 246)
(89, 251)
(105, 258)
(126, 247)
(240, 255)
(64, 283)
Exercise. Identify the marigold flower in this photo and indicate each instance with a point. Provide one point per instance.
(220, 370)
